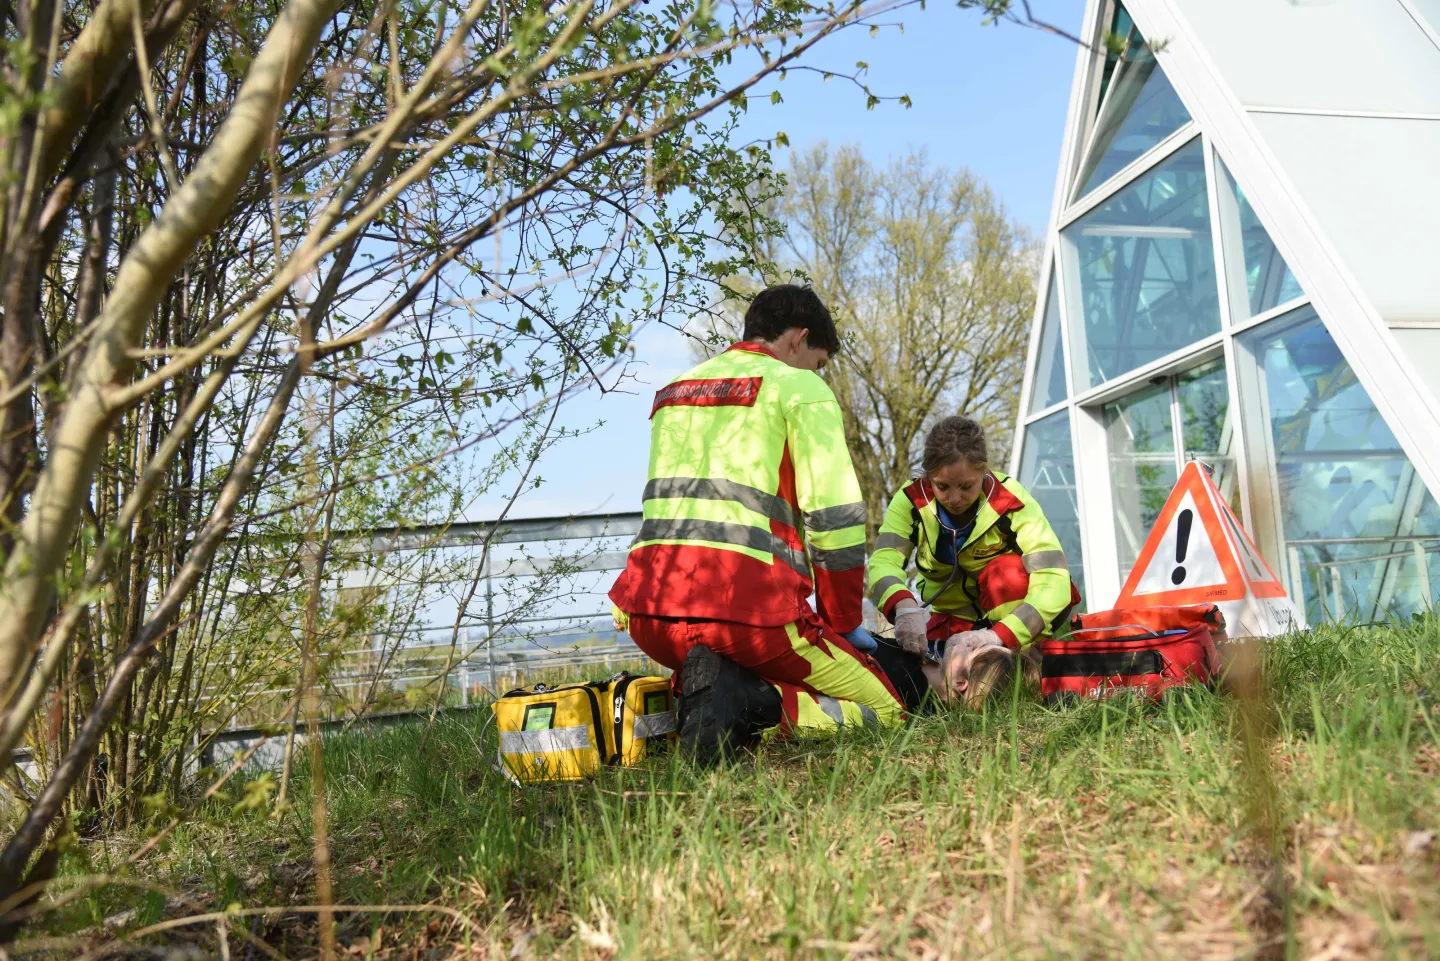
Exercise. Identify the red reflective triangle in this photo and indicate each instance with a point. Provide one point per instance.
(1197, 552)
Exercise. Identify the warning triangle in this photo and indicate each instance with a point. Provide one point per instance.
(1197, 553)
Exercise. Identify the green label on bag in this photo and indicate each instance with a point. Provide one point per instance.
(539, 717)
(657, 702)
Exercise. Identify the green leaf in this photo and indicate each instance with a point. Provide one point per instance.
(257, 793)
(158, 805)
(774, 96)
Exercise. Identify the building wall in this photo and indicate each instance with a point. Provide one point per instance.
(1346, 95)
(1197, 306)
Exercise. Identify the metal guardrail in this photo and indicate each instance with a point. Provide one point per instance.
(486, 651)
(502, 669)
(219, 745)
(525, 530)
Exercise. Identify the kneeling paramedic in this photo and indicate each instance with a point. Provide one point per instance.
(990, 568)
(751, 506)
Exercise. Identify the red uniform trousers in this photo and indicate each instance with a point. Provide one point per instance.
(824, 683)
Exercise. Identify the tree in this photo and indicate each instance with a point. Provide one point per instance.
(932, 288)
(267, 271)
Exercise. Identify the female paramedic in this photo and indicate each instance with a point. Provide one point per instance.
(990, 569)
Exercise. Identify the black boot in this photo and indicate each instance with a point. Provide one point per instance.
(723, 707)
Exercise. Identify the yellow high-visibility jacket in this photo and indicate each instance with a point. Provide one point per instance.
(752, 502)
(1012, 573)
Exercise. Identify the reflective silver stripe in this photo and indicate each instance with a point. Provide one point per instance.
(836, 518)
(869, 717)
(841, 559)
(678, 529)
(1045, 561)
(719, 489)
(832, 709)
(653, 725)
(877, 593)
(1030, 618)
(575, 738)
(894, 542)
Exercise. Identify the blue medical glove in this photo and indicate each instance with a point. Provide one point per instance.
(860, 639)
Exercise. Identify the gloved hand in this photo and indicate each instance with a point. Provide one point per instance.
(860, 639)
(910, 622)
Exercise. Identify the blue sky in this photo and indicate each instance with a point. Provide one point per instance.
(991, 98)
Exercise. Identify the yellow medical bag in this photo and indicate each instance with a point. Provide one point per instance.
(642, 717)
(567, 733)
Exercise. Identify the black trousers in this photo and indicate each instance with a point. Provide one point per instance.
(903, 669)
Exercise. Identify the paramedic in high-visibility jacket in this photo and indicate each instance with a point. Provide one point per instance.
(989, 567)
(751, 506)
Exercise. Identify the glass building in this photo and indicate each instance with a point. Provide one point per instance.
(1243, 268)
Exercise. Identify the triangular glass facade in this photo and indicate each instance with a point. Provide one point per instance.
(1325, 486)
(1138, 109)
(1049, 381)
(1267, 280)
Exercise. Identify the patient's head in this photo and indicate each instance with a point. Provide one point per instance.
(972, 678)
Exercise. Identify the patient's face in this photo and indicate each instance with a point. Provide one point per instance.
(950, 680)
(958, 486)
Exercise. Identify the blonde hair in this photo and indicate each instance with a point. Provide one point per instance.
(992, 671)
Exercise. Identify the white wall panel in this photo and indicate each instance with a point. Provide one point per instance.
(1422, 346)
(1374, 188)
(1367, 55)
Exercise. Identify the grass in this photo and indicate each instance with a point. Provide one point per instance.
(1117, 829)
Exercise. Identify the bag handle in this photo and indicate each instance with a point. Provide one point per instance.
(1150, 633)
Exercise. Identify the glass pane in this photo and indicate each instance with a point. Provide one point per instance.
(1049, 387)
(1146, 269)
(1047, 469)
(1255, 265)
(1141, 441)
(1361, 530)
(1142, 111)
(1133, 43)
(1207, 426)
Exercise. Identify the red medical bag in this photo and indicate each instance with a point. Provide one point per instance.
(1151, 648)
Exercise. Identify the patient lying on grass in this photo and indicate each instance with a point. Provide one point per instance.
(972, 667)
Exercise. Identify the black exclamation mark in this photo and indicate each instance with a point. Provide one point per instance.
(1182, 541)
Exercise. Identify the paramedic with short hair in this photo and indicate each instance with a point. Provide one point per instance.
(990, 569)
(751, 506)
